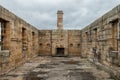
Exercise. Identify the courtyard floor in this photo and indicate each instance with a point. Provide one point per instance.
(57, 68)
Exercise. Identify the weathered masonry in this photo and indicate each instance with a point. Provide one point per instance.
(20, 41)
(60, 42)
(104, 36)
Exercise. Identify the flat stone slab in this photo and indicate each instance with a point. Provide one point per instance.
(57, 68)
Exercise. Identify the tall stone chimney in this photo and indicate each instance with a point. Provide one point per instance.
(60, 19)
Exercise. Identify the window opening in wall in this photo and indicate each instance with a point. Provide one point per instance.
(41, 44)
(23, 31)
(48, 45)
(24, 47)
(87, 37)
(0, 37)
(71, 45)
(4, 31)
(33, 34)
(3, 35)
(24, 39)
(33, 37)
(118, 33)
(78, 45)
(95, 34)
(118, 29)
(33, 42)
(90, 35)
(114, 34)
(95, 29)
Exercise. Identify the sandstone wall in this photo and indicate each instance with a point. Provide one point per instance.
(103, 35)
(21, 41)
(50, 40)
(21, 47)
(45, 45)
(74, 40)
(59, 40)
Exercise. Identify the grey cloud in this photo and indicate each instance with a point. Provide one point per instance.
(42, 13)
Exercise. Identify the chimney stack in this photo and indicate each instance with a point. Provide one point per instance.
(60, 19)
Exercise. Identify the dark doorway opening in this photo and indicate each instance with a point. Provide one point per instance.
(60, 52)
(4, 34)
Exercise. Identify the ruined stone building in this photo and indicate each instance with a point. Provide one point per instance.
(21, 41)
(60, 42)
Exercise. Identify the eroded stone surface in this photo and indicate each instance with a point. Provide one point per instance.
(57, 68)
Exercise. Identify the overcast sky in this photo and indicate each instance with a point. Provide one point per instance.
(42, 13)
